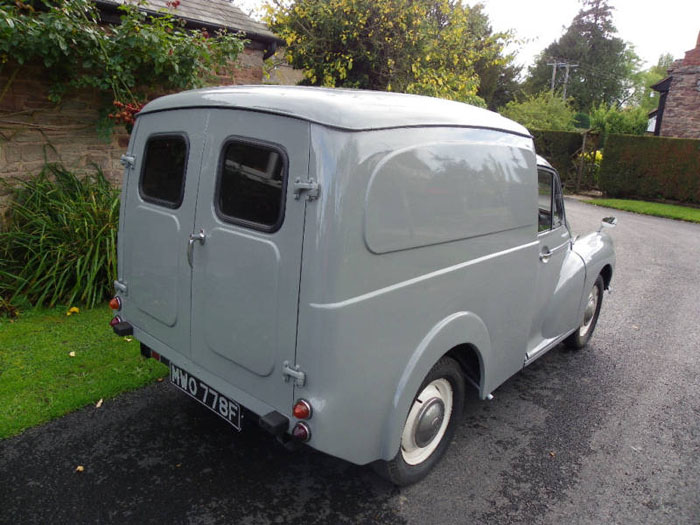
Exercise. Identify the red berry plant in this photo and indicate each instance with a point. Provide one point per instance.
(125, 113)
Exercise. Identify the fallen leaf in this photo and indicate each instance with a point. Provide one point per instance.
(71, 354)
(73, 310)
(128, 339)
(99, 403)
(79, 468)
(160, 379)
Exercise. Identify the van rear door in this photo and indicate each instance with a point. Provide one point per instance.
(157, 219)
(246, 267)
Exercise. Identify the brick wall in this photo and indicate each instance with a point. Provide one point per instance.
(681, 116)
(34, 131)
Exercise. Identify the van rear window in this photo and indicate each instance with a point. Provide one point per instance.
(163, 175)
(251, 185)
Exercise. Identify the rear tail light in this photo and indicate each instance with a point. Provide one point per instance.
(115, 321)
(115, 303)
(302, 409)
(301, 431)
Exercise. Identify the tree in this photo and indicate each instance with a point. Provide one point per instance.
(642, 95)
(429, 47)
(543, 111)
(498, 84)
(605, 63)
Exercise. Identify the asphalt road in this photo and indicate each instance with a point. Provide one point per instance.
(610, 434)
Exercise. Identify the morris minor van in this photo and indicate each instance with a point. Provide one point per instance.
(338, 266)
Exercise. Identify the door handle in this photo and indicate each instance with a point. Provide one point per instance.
(194, 237)
(545, 254)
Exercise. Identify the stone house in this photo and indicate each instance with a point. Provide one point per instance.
(34, 131)
(678, 114)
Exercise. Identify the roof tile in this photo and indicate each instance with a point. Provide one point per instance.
(215, 12)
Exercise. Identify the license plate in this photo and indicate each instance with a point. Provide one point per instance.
(206, 395)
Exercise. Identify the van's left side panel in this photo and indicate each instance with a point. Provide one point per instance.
(156, 219)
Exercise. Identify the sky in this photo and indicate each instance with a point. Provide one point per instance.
(654, 27)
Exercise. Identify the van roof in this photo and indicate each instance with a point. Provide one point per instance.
(348, 109)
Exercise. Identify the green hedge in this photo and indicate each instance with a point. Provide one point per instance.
(651, 168)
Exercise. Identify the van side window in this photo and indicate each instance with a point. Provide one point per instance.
(544, 200)
(163, 176)
(251, 185)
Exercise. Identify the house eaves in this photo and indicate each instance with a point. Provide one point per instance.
(211, 15)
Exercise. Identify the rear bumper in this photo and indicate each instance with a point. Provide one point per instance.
(261, 413)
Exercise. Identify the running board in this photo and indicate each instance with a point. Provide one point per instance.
(545, 347)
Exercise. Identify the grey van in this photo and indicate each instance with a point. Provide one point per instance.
(337, 266)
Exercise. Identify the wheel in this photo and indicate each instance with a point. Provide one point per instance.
(429, 426)
(583, 333)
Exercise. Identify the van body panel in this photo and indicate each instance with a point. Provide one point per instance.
(228, 331)
(359, 308)
(155, 287)
(154, 236)
(438, 192)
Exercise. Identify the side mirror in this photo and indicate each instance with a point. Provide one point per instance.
(608, 222)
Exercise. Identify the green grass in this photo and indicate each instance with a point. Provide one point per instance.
(39, 381)
(669, 211)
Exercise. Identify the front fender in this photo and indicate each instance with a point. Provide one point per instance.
(457, 329)
(597, 251)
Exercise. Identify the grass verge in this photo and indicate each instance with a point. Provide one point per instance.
(40, 381)
(669, 211)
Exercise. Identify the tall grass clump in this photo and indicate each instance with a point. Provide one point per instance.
(58, 245)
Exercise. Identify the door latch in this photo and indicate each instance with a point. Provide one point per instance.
(293, 372)
(312, 188)
(194, 237)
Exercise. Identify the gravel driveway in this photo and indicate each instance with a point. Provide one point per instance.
(610, 434)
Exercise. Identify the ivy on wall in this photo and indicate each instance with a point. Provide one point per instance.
(144, 54)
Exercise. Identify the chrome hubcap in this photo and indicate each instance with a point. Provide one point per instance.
(589, 312)
(427, 421)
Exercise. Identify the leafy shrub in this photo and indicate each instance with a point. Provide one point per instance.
(542, 111)
(612, 120)
(59, 241)
(651, 168)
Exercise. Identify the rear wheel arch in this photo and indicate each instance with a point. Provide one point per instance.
(446, 339)
(470, 361)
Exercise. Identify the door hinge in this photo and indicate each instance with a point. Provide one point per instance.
(127, 161)
(121, 287)
(312, 188)
(293, 372)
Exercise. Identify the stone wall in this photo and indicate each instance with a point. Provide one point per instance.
(34, 131)
(681, 117)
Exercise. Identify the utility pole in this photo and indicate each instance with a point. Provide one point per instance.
(554, 72)
(566, 76)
